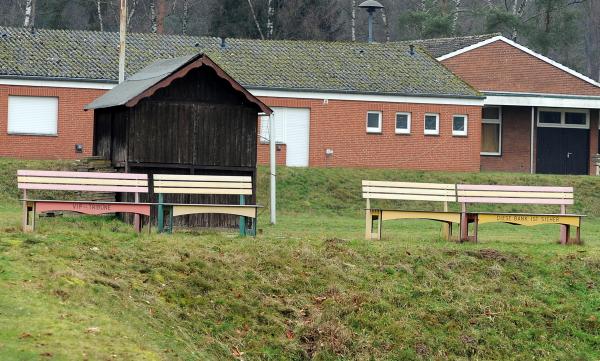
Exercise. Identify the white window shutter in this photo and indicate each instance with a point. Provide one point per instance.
(32, 115)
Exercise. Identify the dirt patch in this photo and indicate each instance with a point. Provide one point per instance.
(492, 254)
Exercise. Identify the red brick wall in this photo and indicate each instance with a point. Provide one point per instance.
(74, 125)
(516, 140)
(499, 66)
(594, 118)
(263, 153)
(341, 126)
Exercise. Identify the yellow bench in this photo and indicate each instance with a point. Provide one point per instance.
(432, 192)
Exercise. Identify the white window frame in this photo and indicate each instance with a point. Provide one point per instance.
(562, 123)
(54, 133)
(494, 121)
(373, 129)
(437, 124)
(408, 121)
(460, 133)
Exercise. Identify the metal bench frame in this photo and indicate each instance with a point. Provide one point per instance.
(82, 182)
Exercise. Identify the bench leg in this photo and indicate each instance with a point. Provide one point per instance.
(447, 231)
(242, 226)
(160, 221)
(476, 229)
(578, 235)
(379, 224)
(170, 230)
(28, 216)
(564, 234)
(464, 228)
(368, 225)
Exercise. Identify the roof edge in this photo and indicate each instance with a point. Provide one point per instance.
(524, 49)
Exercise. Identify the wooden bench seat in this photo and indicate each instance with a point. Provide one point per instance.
(32, 180)
(530, 195)
(431, 192)
(208, 185)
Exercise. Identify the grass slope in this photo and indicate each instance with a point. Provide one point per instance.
(308, 288)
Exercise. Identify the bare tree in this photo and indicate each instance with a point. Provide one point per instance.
(270, 14)
(153, 20)
(592, 38)
(385, 25)
(255, 19)
(99, 12)
(353, 20)
(185, 16)
(29, 14)
(160, 18)
(130, 11)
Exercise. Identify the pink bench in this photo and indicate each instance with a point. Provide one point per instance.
(534, 195)
(31, 180)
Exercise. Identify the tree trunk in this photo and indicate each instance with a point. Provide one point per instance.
(255, 20)
(153, 20)
(99, 10)
(353, 20)
(455, 16)
(385, 25)
(29, 14)
(185, 17)
(130, 11)
(162, 14)
(270, 15)
(592, 39)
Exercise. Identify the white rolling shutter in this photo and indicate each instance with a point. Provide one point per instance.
(292, 129)
(32, 115)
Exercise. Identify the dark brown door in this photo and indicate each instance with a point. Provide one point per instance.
(562, 151)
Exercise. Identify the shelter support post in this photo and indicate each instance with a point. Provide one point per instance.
(161, 214)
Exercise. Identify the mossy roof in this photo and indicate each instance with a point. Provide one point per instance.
(351, 67)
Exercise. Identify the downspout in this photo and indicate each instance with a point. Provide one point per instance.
(532, 170)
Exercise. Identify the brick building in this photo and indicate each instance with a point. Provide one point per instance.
(335, 103)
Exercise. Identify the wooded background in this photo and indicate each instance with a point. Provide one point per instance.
(565, 30)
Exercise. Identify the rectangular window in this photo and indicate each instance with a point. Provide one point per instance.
(459, 125)
(432, 124)
(373, 122)
(491, 131)
(563, 118)
(402, 123)
(32, 115)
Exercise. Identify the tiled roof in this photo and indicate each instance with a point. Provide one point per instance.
(443, 46)
(274, 64)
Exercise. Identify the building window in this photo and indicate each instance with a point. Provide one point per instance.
(459, 125)
(32, 115)
(402, 123)
(373, 122)
(563, 118)
(491, 131)
(432, 124)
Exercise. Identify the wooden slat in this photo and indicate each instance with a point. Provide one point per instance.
(408, 185)
(514, 200)
(88, 181)
(44, 173)
(186, 184)
(167, 190)
(508, 194)
(202, 178)
(426, 191)
(483, 187)
(87, 188)
(409, 197)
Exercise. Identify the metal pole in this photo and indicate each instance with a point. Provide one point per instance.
(122, 36)
(531, 167)
(273, 168)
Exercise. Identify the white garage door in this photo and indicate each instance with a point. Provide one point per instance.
(292, 129)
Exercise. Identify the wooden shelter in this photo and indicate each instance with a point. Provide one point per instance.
(180, 116)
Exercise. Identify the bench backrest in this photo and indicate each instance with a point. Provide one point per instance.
(436, 192)
(468, 193)
(82, 181)
(202, 184)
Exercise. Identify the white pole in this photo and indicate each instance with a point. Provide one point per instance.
(122, 36)
(273, 168)
(531, 170)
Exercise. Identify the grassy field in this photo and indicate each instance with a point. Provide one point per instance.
(88, 288)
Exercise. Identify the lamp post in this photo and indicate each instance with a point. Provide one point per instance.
(371, 6)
